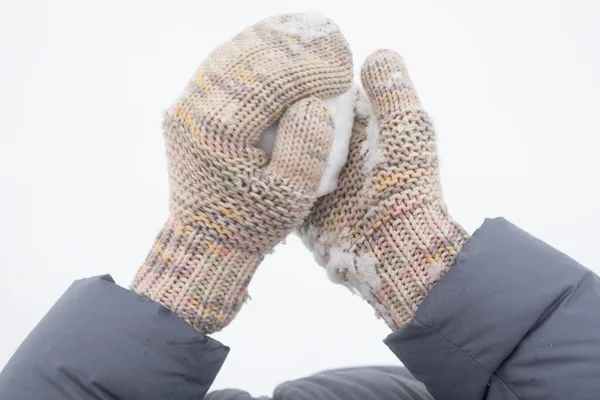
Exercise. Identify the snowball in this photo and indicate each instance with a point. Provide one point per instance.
(342, 111)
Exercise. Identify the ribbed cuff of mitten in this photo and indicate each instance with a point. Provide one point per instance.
(430, 241)
(195, 276)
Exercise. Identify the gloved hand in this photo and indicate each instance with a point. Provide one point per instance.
(229, 204)
(385, 232)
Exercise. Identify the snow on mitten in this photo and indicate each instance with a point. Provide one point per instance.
(385, 232)
(230, 204)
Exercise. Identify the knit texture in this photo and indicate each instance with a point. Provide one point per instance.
(230, 205)
(385, 232)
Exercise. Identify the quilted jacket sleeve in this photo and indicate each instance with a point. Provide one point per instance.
(513, 319)
(100, 341)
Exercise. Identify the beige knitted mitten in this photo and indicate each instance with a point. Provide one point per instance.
(385, 232)
(230, 205)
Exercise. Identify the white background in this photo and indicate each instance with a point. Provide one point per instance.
(513, 88)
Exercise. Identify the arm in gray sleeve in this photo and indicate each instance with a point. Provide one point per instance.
(100, 341)
(513, 319)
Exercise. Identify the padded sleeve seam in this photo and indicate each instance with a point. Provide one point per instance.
(490, 373)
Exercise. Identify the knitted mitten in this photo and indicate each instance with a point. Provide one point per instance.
(230, 205)
(385, 232)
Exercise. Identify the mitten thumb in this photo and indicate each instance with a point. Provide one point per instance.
(388, 85)
(302, 145)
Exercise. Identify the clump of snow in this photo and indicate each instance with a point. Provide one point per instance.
(306, 27)
(363, 105)
(436, 270)
(339, 261)
(365, 268)
(343, 266)
(228, 112)
(342, 111)
(357, 273)
(319, 244)
(397, 78)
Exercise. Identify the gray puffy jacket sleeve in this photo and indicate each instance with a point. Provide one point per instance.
(100, 341)
(513, 319)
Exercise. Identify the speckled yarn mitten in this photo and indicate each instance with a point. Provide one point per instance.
(230, 205)
(385, 232)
